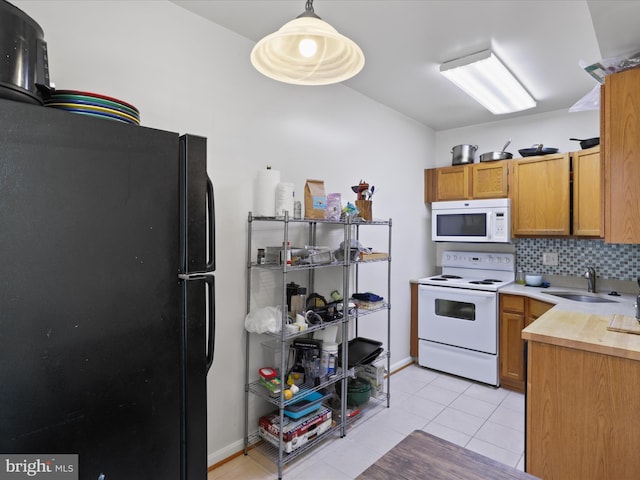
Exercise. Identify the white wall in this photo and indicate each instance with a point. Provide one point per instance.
(552, 129)
(188, 75)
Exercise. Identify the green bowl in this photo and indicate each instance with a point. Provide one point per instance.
(358, 392)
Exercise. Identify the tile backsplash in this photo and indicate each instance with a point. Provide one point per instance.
(614, 261)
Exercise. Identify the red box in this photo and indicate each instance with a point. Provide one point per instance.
(296, 432)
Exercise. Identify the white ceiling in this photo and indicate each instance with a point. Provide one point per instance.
(405, 41)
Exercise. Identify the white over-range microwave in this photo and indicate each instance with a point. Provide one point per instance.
(487, 221)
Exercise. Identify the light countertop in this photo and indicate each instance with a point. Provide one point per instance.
(622, 305)
(580, 325)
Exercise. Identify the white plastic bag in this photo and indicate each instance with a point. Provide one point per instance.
(591, 101)
(263, 320)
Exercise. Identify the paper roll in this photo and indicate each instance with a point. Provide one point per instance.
(284, 199)
(264, 200)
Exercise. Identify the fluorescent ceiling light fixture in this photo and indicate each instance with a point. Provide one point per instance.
(307, 51)
(485, 78)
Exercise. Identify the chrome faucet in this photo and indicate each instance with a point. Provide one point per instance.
(590, 275)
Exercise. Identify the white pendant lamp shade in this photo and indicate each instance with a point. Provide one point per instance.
(307, 51)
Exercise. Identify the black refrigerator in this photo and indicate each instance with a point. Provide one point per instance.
(107, 295)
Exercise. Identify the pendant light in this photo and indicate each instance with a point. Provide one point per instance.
(307, 51)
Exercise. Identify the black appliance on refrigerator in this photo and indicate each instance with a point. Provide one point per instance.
(107, 296)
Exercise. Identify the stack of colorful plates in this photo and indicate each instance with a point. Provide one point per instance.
(94, 105)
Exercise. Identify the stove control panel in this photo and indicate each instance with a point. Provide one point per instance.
(480, 260)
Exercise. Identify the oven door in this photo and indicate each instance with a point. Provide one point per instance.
(459, 317)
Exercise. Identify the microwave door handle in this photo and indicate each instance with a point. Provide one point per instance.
(489, 225)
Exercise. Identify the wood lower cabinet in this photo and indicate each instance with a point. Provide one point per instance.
(620, 124)
(413, 336)
(516, 313)
(511, 354)
(582, 410)
(535, 309)
(540, 193)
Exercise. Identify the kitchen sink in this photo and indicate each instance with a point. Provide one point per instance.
(579, 297)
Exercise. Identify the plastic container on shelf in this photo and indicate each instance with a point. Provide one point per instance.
(306, 404)
(298, 301)
(329, 358)
(272, 351)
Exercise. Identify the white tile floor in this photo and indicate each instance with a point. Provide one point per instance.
(486, 420)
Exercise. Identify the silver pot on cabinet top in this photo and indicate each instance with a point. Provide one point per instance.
(463, 154)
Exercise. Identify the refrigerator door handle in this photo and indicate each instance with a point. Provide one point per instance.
(211, 266)
(211, 337)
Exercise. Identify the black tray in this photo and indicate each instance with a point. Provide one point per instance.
(361, 351)
(370, 358)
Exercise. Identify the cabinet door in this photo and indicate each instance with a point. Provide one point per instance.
(535, 309)
(620, 114)
(588, 204)
(581, 411)
(540, 196)
(512, 319)
(489, 180)
(516, 313)
(512, 350)
(512, 303)
(453, 183)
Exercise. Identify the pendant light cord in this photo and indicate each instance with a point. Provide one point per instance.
(308, 10)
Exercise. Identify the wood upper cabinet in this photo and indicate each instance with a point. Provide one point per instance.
(551, 195)
(588, 188)
(464, 182)
(516, 313)
(490, 180)
(620, 137)
(540, 196)
(452, 183)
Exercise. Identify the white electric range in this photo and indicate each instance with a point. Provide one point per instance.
(458, 314)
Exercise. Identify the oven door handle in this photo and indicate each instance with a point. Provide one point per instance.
(449, 293)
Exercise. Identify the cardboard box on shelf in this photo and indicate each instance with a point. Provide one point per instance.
(373, 373)
(373, 256)
(296, 433)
